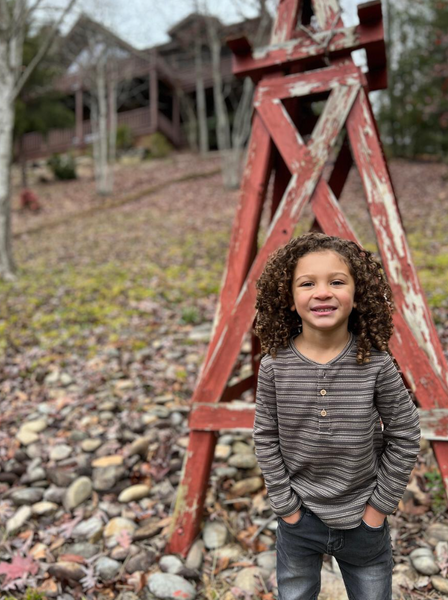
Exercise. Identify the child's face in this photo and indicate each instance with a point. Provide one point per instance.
(323, 291)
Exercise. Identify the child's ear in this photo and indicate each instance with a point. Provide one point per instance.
(293, 307)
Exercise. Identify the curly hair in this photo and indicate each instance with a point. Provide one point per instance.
(371, 320)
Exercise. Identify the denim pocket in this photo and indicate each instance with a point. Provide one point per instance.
(373, 529)
(302, 514)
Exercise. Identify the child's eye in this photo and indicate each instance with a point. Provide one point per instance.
(306, 284)
(338, 282)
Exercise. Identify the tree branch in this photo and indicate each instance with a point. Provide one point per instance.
(42, 51)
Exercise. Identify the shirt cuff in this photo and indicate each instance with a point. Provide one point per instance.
(291, 508)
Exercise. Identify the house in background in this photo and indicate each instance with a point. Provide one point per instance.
(156, 85)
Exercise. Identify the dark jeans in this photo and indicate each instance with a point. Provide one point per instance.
(364, 555)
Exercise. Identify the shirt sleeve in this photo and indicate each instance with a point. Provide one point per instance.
(401, 436)
(284, 501)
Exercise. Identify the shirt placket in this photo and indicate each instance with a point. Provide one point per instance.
(323, 402)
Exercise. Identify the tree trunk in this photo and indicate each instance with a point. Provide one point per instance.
(222, 116)
(103, 181)
(7, 267)
(190, 120)
(112, 129)
(200, 100)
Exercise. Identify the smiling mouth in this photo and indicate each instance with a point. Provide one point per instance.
(326, 309)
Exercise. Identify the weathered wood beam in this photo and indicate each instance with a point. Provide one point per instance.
(214, 417)
(306, 84)
(304, 47)
(395, 253)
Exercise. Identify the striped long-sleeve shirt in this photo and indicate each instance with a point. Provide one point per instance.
(334, 436)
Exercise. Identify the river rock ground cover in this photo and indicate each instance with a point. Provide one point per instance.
(102, 337)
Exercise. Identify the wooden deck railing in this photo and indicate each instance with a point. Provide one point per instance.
(35, 145)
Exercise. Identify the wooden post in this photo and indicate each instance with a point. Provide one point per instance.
(153, 93)
(79, 116)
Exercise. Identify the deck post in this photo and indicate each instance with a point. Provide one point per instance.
(79, 114)
(153, 92)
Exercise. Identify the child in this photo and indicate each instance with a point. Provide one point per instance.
(336, 433)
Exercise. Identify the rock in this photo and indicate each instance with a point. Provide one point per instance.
(66, 570)
(437, 533)
(60, 477)
(84, 549)
(44, 508)
(247, 486)
(65, 379)
(233, 552)
(26, 437)
(241, 448)
(33, 475)
(107, 568)
(107, 405)
(34, 450)
(222, 452)
(148, 530)
(52, 377)
(139, 446)
(90, 530)
(108, 461)
(27, 496)
(142, 561)
(106, 415)
(439, 583)
(149, 419)
(229, 472)
(54, 494)
(162, 412)
(60, 452)
(36, 426)
(423, 561)
(79, 491)
(135, 492)
(90, 445)
(171, 564)
(249, 579)
(243, 461)
(18, 519)
(104, 479)
(114, 527)
(214, 534)
(168, 586)
(404, 576)
(267, 562)
(195, 555)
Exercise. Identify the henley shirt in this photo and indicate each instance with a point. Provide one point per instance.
(334, 436)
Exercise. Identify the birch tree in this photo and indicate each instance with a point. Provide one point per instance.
(13, 17)
(231, 140)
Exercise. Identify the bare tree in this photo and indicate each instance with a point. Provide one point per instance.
(13, 17)
(231, 140)
(104, 72)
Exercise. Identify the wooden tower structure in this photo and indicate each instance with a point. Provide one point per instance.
(309, 60)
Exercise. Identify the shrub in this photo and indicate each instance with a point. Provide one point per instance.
(156, 145)
(62, 166)
(125, 137)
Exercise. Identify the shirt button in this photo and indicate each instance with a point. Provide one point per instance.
(323, 413)
(323, 392)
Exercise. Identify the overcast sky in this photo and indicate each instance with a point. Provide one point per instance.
(145, 23)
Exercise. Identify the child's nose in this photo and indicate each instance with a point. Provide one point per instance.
(322, 291)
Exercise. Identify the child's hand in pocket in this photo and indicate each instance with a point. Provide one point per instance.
(292, 518)
(372, 517)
